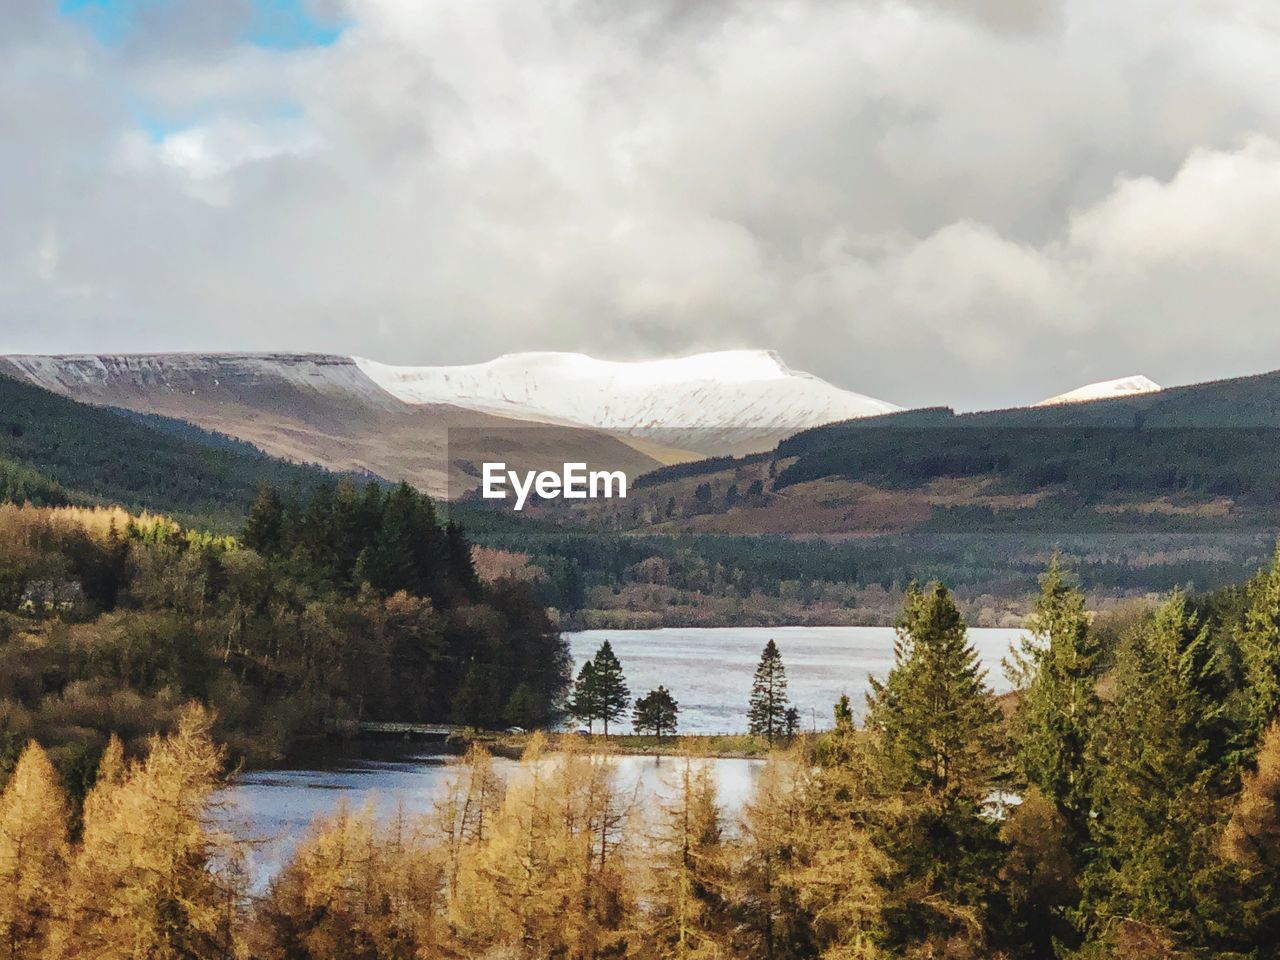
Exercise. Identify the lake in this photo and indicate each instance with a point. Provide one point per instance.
(708, 670)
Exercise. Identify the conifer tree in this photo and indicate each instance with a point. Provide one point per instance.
(1259, 641)
(584, 704)
(264, 530)
(767, 713)
(551, 879)
(791, 722)
(774, 926)
(353, 889)
(464, 815)
(1160, 777)
(142, 883)
(807, 885)
(657, 712)
(686, 912)
(612, 695)
(462, 569)
(1250, 843)
(1059, 704)
(936, 727)
(33, 854)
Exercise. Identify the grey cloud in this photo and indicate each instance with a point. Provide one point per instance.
(977, 203)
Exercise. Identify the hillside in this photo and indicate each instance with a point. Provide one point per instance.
(316, 408)
(54, 450)
(1187, 458)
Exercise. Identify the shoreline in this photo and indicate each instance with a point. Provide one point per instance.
(714, 746)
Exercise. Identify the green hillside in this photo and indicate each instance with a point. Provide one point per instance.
(54, 450)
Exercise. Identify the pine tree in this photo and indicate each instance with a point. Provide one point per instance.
(936, 728)
(584, 704)
(1259, 641)
(1059, 705)
(462, 569)
(612, 695)
(1160, 777)
(767, 713)
(33, 853)
(791, 723)
(657, 711)
(264, 530)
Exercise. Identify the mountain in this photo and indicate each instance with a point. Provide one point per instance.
(1104, 390)
(317, 408)
(54, 450)
(712, 403)
(432, 426)
(1192, 458)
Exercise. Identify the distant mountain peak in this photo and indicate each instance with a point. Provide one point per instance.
(1105, 390)
(730, 390)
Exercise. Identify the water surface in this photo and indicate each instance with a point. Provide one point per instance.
(708, 669)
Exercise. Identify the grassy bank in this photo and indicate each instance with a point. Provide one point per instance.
(720, 745)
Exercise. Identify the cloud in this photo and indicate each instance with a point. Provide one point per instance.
(974, 204)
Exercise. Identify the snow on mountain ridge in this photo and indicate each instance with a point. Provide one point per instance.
(88, 376)
(736, 389)
(1105, 390)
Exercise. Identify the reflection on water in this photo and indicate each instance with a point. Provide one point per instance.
(708, 669)
(274, 807)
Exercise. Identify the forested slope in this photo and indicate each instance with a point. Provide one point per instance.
(54, 451)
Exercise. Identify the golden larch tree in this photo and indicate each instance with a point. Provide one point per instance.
(143, 882)
(33, 853)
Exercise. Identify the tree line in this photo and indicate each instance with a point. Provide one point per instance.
(1124, 804)
(601, 693)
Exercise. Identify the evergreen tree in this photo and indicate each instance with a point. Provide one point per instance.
(937, 727)
(264, 530)
(1059, 705)
(612, 694)
(767, 713)
(843, 712)
(1159, 759)
(656, 712)
(462, 569)
(584, 704)
(791, 723)
(1259, 642)
(478, 702)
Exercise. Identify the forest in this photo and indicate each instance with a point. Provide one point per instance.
(55, 451)
(357, 603)
(1123, 802)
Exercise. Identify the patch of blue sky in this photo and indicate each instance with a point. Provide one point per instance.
(272, 24)
(159, 127)
(288, 25)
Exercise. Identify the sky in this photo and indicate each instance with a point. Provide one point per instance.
(962, 202)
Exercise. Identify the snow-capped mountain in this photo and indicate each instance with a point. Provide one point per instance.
(1105, 390)
(700, 402)
(432, 424)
